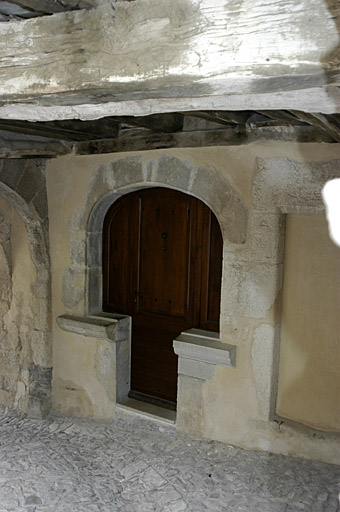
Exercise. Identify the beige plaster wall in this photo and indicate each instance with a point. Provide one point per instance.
(17, 313)
(309, 384)
(233, 406)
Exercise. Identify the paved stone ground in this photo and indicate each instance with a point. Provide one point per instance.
(131, 465)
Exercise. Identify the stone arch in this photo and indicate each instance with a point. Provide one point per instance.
(125, 175)
(22, 185)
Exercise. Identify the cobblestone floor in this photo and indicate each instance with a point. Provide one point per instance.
(130, 465)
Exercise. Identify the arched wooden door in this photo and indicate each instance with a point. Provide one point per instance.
(162, 264)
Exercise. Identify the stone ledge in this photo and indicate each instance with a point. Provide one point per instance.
(200, 352)
(113, 327)
(206, 347)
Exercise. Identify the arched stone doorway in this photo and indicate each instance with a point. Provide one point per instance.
(108, 184)
(162, 265)
(128, 174)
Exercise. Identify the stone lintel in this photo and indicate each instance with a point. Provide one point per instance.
(200, 351)
(114, 328)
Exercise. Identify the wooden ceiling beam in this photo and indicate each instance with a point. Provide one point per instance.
(52, 6)
(160, 123)
(73, 130)
(222, 117)
(133, 61)
(319, 121)
(31, 147)
(136, 140)
(280, 115)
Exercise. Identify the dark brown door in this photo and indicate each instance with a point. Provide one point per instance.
(162, 260)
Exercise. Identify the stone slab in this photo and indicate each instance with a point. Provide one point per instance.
(204, 346)
(96, 326)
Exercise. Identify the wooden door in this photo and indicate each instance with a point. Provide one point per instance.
(162, 260)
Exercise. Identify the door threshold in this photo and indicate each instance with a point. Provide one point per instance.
(161, 402)
(147, 410)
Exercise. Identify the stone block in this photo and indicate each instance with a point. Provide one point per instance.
(99, 185)
(123, 361)
(171, 171)
(77, 252)
(126, 171)
(189, 405)
(41, 346)
(252, 288)
(196, 369)
(95, 289)
(204, 346)
(265, 363)
(94, 250)
(229, 325)
(212, 188)
(234, 221)
(39, 398)
(289, 186)
(72, 287)
(265, 241)
(40, 381)
(42, 311)
(37, 407)
(76, 222)
(102, 327)
(105, 368)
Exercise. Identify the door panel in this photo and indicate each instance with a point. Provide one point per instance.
(154, 368)
(164, 277)
(117, 257)
(162, 260)
(164, 254)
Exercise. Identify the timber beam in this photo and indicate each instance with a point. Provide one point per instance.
(155, 56)
(52, 6)
(31, 147)
(141, 141)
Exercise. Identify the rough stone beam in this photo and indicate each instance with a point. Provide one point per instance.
(222, 137)
(153, 56)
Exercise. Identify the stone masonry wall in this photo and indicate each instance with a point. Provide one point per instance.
(25, 332)
(250, 189)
